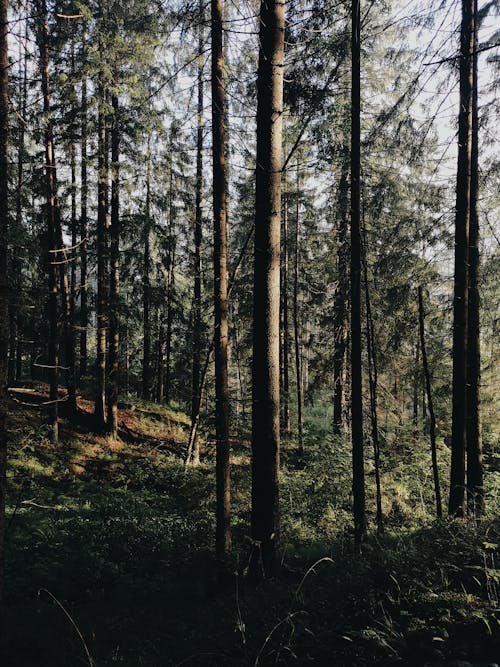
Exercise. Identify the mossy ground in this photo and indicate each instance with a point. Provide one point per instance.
(117, 536)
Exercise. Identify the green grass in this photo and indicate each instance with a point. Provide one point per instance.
(119, 537)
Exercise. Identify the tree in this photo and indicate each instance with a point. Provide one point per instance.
(4, 297)
(102, 254)
(461, 274)
(265, 365)
(223, 529)
(296, 323)
(358, 485)
(114, 276)
(475, 491)
(198, 238)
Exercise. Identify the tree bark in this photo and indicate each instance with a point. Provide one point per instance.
(146, 286)
(296, 324)
(198, 236)
(475, 490)
(265, 367)
(223, 511)
(285, 354)
(340, 311)
(170, 291)
(114, 276)
(4, 282)
(373, 381)
(460, 289)
(358, 485)
(83, 230)
(53, 255)
(427, 376)
(102, 259)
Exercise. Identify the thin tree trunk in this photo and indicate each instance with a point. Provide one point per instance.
(373, 381)
(265, 371)
(102, 260)
(223, 510)
(425, 365)
(4, 281)
(146, 286)
(416, 387)
(475, 491)
(74, 231)
(340, 311)
(298, 374)
(460, 291)
(285, 337)
(170, 289)
(241, 401)
(358, 485)
(83, 230)
(114, 287)
(160, 365)
(15, 348)
(58, 255)
(198, 235)
(53, 255)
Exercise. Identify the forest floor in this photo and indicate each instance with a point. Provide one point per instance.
(110, 557)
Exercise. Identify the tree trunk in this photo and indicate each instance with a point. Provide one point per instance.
(114, 276)
(160, 362)
(373, 381)
(285, 324)
(358, 484)
(296, 328)
(198, 234)
(4, 282)
(102, 260)
(146, 286)
(58, 259)
(475, 491)
(15, 347)
(170, 288)
(83, 231)
(340, 311)
(74, 230)
(416, 387)
(53, 255)
(460, 290)
(425, 365)
(265, 370)
(223, 515)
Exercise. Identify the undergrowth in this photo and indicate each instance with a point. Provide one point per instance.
(110, 551)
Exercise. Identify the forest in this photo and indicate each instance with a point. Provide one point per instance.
(249, 333)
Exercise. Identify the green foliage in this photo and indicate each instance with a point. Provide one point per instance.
(122, 537)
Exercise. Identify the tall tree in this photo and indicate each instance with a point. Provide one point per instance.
(146, 284)
(223, 517)
(198, 237)
(114, 276)
(296, 323)
(358, 484)
(285, 337)
(265, 366)
(102, 253)
(53, 255)
(475, 491)
(339, 308)
(83, 223)
(460, 288)
(4, 296)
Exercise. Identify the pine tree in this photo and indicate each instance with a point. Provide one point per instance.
(265, 366)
